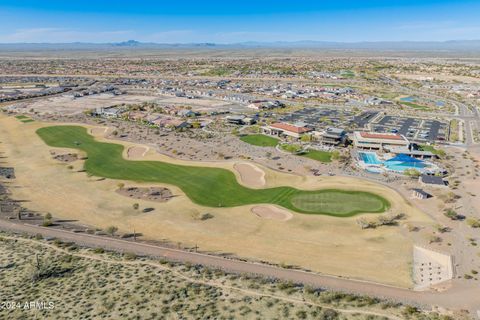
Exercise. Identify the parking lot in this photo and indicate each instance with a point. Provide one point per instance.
(364, 118)
(416, 129)
(320, 117)
(413, 128)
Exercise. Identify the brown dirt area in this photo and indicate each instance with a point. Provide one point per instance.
(66, 157)
(157, 194)
(310, 241)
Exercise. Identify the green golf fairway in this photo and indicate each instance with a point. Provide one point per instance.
(212, 187)
(260, 140)
(322, 156)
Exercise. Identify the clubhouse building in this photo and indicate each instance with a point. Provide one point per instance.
(379, 141)
(285, 130)
(331, 136)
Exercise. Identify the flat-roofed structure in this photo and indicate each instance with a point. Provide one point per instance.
(420, 194)
(433, 181)
(413, 153)
(282, 129)
(379, 141)
(332, 136)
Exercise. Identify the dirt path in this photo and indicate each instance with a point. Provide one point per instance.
(465, 297)
(203, 282)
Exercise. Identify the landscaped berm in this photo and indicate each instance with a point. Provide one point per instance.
(212, 187)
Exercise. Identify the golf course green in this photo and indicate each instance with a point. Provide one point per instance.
(212, 187)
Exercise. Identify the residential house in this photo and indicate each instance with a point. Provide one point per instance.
(240, 119)
(265, 105)
(170, 122)
(185, 113)
(137, 116)
(151, 118)
(109, 112)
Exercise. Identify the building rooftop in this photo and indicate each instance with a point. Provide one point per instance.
(236, 117)
(410, 152)
(422, 192)
(432, 180)
(383, 136)
(289, 127)
(335, 130)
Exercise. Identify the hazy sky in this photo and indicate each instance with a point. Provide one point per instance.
(237, 21)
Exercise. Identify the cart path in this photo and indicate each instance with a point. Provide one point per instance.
(464, 297)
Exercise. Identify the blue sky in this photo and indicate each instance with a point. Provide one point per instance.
(237, 21)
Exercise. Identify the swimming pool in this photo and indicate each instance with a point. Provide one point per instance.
(408, 99)
(369, 158)
(398, 164)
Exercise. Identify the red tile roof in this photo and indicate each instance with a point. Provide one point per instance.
(392, 136)
(289, 127)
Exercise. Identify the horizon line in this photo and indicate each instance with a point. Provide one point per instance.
(247, 41)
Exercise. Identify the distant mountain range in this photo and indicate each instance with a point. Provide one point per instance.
(453, 45)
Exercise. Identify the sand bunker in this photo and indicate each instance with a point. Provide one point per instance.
(272, 212)
(136, 152)
(250, 174)
(152, 194)
(98, 131)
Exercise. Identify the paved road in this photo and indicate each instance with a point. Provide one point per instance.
(465, 297)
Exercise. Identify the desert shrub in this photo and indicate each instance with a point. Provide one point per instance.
(301, 314)
(98, 250)
(410, 311)
(130, 256)
(112, 230)
(434, 239)
(329, 314)
(473, 222)
(206, 216)
(452, 214)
